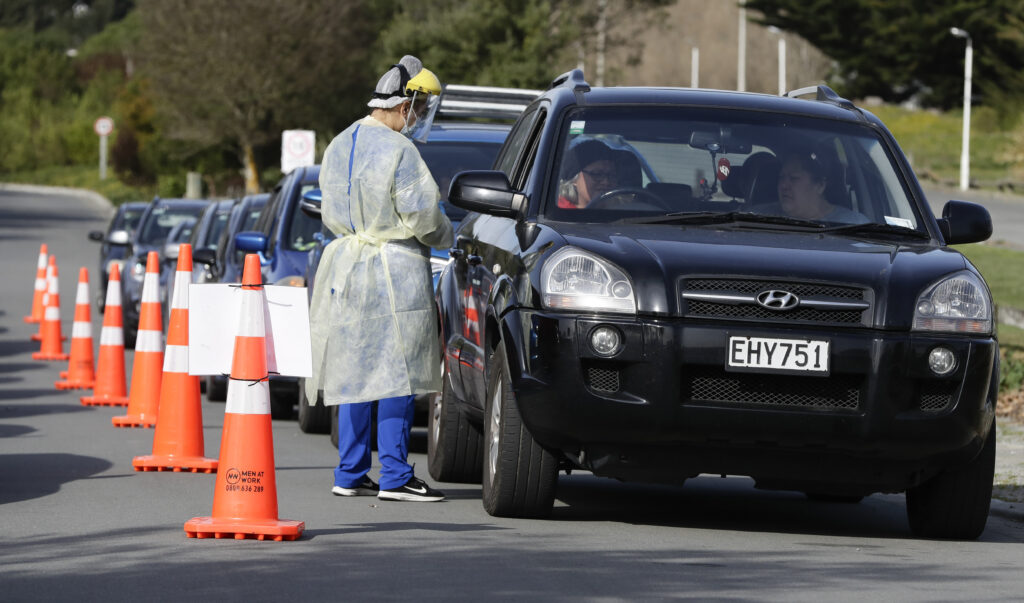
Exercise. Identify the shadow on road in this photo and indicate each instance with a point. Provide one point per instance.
(17, 411)
(13, 431)
(29, 476)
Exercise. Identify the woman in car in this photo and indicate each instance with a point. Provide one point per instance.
(589, 172)
(803, 180)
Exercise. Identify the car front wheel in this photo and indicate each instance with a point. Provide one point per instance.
(955, 504)
(519, 476)
(453, 443)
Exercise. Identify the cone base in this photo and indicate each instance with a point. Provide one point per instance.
(39, 337)
(49, 356)
(133, 421)
(32, 319)
(240, 529)
(165, 462)
(79, 384)
(104, 401)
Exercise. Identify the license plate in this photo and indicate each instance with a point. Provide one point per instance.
(778, 355)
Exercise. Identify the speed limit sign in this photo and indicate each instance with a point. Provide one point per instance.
(103, 126)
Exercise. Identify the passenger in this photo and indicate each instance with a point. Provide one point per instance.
(803, 180)
(589, 172)
(372, 316)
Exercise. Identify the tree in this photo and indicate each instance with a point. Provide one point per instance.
(902, 50)
(517, 43)
(238, 73)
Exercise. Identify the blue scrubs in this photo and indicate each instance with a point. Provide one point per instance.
(394, 421)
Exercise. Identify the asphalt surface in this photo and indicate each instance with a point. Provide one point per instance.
(1007, 211)
(78, 524)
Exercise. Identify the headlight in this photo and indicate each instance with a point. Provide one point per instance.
(573, 279)
(957, 304)
(139, 270)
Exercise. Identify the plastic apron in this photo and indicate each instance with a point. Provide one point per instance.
(373, 321)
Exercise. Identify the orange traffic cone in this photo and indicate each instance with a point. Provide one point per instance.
(178, 440)
(110, 382)
(245, 498)
(49, 331)
(80, 374)
(147, 369)
(51, 263)
(39, 289)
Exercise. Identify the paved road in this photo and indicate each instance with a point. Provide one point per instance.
(78, 524)
(1007, 211)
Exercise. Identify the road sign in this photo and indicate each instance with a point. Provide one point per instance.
(103, 126)
(298, 148)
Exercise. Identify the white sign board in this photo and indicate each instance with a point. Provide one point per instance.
(213, 319)
(103, 126)
(298, 149)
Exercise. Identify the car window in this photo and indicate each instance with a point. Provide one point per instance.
(445, 159)
(516, 139)
(617, 162)
(162, 219)
(301, 227)
(217, 226)
(128, 220)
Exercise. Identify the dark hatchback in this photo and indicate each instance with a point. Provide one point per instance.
(690, 320)
(114, 244)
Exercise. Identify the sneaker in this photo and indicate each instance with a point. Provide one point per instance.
(414, 490)
(365, 488)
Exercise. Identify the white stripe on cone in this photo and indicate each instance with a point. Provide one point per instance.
(246, 398)
(81, 329)
(149, 341)
(151, 288)
(251, 312)
(82, 294)
(176, 359)
(41, 263)
(179, 299)
(40, 284)
(112, 336)
(52, 313)
(114, 294)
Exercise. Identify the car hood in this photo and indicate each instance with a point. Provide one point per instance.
(659, 257)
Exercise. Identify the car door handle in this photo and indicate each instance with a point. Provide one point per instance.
(455, 252)
(474, 260)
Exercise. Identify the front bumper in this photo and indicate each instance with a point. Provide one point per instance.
(664, 408)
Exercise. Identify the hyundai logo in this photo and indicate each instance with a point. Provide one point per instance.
(774, 299)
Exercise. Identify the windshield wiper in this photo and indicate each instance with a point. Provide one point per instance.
(875, 227)
(721, 217)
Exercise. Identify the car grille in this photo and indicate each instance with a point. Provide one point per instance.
(935, 396)
(602, 379)
(838, 392)
(822, 304)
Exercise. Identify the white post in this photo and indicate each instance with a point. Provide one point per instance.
(782, 65)
(602, 32)
(741, 61)
(103, 157)
(965, 152)
(695, 67)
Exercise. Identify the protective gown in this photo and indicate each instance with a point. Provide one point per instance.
(373, 322)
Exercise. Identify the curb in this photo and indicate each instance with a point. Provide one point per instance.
(1007, 510)
(98, 200)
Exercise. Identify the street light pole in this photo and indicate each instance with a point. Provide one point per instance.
(965, 154)
(741, 50)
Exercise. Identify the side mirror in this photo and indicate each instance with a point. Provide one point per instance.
(487, 192)
(205, 256)
(118, 237)
(171, 251)
(251, 241)
(965, 222)
(310, 203)
(96, 235)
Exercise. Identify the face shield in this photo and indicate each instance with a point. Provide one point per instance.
(425, 91)
(421, 116)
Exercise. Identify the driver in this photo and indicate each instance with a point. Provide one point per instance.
(589, 171)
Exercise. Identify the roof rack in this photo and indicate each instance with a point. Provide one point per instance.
(822, 93)
(573, 78)
(486, 102)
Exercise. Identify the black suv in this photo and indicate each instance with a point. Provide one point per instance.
(658, 283)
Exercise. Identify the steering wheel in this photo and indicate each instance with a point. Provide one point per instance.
(617, 198)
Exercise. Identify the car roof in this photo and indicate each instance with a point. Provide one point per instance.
(469, 132)
(186, 202)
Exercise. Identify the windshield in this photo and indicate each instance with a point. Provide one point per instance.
(162, 219)
(623, 164)
(445, 159)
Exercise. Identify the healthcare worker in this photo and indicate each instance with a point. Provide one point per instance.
(372, 317)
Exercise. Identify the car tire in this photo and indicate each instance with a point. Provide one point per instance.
(519, 476)
(313, 418)
(216, 389)
(955, 504)
(454, 444)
